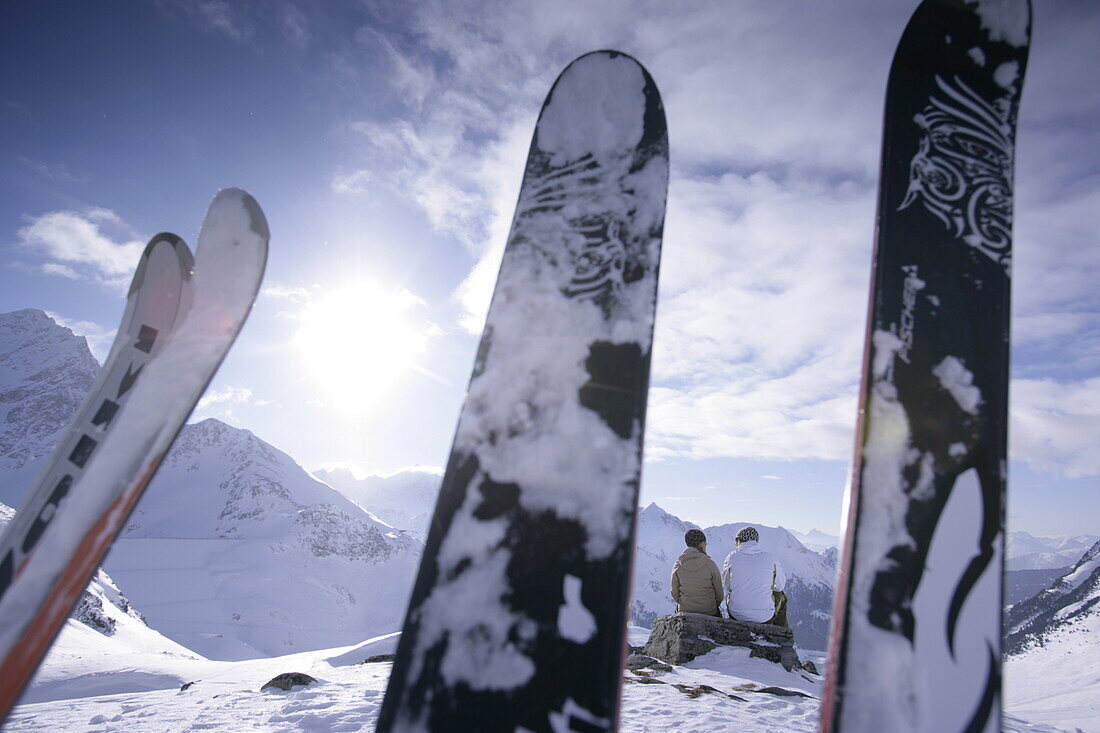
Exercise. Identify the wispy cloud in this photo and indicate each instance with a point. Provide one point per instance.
(218, 16)
(770, 218)
(293, 293)
(52, 171)
(94, 244)
(1054, 425)
(227, 395)
(223, 403)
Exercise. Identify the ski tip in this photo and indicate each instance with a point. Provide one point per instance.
(596, 58)
(610, 53)
(166, 240)
(603, 103)
(234, 197)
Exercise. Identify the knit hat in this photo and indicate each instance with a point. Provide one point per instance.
(748, 534)
(694, 537)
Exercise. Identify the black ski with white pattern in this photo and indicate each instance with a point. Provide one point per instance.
(518, 615)
(916, 636)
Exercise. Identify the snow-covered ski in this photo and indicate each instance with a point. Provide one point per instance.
(916, 636)
(174, 336)
(518, 613)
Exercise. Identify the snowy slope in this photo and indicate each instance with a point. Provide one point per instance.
(1028, 552)
(235, 551)
(225, 696)
(404, 499)
(1054, 642)
(105, 637)
(45, 371)
(810, 580)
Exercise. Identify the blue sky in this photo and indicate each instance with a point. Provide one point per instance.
(385, 141)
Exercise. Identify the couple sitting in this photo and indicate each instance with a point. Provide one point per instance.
(751, 582)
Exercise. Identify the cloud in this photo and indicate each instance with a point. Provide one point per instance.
(294, 25)
(218, 16)
(94, 244)
(293, 293)
(226, 395)
(776, 131)
(1054, 425)
(52, 171)
(351, 182)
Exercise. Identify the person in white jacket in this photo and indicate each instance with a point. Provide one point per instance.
(754, 581)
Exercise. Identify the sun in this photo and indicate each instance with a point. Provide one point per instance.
(359, 340)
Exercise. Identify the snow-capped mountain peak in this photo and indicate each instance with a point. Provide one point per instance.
(45, 371)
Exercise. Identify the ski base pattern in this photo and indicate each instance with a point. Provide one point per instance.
(176, 330)
(518, 614)
(916, 638)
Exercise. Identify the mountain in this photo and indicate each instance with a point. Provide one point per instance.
(810, 580)
(405, 499)
(1023, 584)
(1053, 645)
(45, 371)
(234, 551)
(1027, 552)
(816, 540)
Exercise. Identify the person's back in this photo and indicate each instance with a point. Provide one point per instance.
(750, 575)
(696, 583)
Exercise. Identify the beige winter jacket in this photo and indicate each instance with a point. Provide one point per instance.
(696, 583)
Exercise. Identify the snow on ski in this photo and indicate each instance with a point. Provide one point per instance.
(131, 440)
(916, 637)
(518, 613)
(155, 304)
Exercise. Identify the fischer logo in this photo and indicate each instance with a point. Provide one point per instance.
(910, 287)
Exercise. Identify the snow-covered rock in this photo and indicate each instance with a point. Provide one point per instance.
(404, 499)
(810, 580)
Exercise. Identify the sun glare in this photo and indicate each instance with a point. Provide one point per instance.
(359, 340)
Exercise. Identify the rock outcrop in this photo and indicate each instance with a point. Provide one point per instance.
(681, 637)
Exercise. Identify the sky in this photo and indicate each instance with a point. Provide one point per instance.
(386, 142)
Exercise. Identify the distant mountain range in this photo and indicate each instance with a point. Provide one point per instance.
(1028, 552)
(236, 551)
(405, 499)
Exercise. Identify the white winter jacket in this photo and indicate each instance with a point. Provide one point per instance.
(748, 576)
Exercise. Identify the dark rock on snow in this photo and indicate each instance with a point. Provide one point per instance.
(681, 637)
(288, 680)
(641, 661)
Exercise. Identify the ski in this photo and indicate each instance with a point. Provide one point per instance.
(155, 303)
(916, 636)
(174, 335)
(517, 617)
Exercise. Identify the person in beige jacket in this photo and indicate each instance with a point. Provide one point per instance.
(696, 582)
